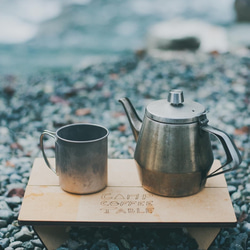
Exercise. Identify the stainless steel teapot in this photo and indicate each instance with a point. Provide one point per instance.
(173, 152)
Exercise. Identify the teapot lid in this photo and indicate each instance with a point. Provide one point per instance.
(174, 109)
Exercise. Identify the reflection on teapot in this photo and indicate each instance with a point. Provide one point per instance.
(173, 152)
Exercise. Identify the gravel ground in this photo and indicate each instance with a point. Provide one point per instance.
(48, 100)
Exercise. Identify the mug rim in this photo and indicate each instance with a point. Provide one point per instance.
(82, 124)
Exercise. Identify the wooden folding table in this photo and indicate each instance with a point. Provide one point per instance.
(51, 211)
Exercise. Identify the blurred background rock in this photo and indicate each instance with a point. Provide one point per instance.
(65, 34)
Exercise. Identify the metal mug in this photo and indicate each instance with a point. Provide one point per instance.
(81, 157)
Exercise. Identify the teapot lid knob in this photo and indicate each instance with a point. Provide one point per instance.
(176, 97)
(173, 110)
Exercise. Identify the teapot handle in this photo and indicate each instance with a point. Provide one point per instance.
(231, 150)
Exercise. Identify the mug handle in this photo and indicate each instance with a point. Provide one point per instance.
(231, 150)
(51, 134)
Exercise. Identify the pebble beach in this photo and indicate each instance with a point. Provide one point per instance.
(49, 100)
(64, 62)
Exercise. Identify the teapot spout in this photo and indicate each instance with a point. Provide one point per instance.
(134, 120)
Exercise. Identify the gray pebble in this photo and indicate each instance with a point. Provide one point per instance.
(37, 243)
(235, 182)
(16, 244)
(112, 246)
(15, 178)
(17, 208)
(244, 208)
(231, 188)
(245, 192)
(246, 227)
(3, 178)
(239, 241)
(28, 245)
(13, 201)
(6, 214)
(3, 223)
(236, 196)
(125, 244)
(4, 135)
(11, 227)
(26, 175)
(4, 230)
(15, 185)
(72, 244)
(4, 206)
(4, 243)
(248, 187)
(236, 209)
(244, 165)
(38, 248)
(24, 234)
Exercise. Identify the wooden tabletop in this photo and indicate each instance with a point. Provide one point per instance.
(123, 201)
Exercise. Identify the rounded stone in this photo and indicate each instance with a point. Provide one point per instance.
(231, 189)
(246, 227)
(16, 244)
(6, 215)
(236, 195)
(37, 243)
(24, 234)
(4, 243)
